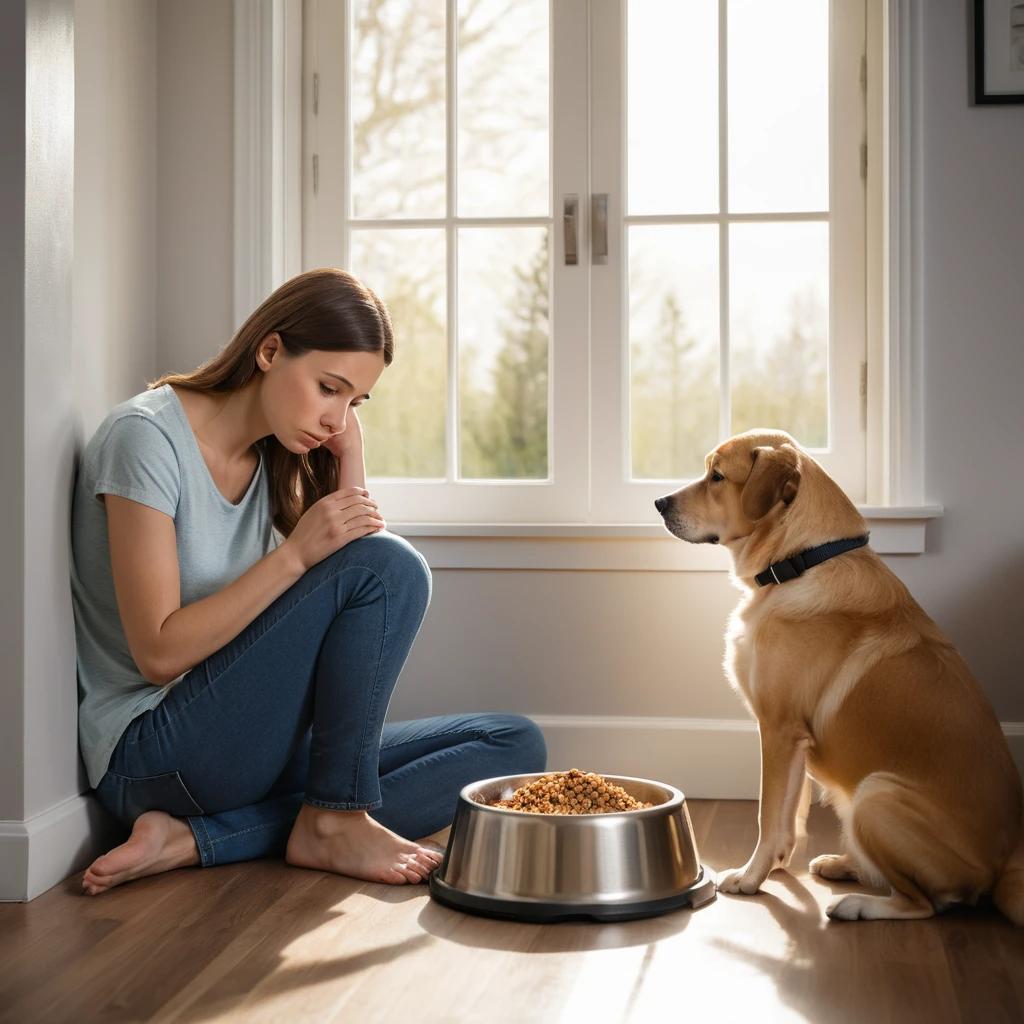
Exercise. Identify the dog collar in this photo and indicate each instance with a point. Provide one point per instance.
(796, 565)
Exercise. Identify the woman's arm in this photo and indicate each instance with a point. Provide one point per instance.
(352, 468)
(348, 449)
(165, 639)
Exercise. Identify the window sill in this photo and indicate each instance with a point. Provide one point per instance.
(620, 547)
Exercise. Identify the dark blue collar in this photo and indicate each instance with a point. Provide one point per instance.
(797, 565)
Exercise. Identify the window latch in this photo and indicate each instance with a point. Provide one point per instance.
(570, 218)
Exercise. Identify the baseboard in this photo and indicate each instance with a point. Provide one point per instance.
(713, 758)
(707, 758)
(39, 853)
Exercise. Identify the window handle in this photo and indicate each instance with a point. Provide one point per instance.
(599, 227)
(570, 218)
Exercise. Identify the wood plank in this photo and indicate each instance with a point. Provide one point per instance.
(264, 941)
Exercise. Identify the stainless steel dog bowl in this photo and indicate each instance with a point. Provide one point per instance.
(552, 867)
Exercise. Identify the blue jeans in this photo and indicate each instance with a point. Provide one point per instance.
(292, 710)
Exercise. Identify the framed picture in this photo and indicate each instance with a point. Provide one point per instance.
(999, 51)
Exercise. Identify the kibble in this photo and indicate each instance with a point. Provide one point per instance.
(571, 792)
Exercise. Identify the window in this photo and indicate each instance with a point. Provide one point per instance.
(448, 144)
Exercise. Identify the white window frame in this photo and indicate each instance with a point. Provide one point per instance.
(562, 497)
(619, 498)
(268, 141)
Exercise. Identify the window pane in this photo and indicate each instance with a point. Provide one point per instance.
(778, 105)
(778, 292)
(398, 108)
(673, 106)
(503, 353)
(673, 345)
(503, 75)
(405, 420)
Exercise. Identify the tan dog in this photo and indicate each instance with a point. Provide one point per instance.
(853, 685)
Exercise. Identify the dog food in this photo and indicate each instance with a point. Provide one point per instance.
(571, 792)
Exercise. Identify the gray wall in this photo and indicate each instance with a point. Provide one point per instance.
(195, 104)
(12, 404)
(115, 272)
(973, 298)
(37, 765)
(650, 643)
(631, 656)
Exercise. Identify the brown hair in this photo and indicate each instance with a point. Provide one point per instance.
(322, 310)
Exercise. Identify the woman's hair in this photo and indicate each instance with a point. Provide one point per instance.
(322, 310)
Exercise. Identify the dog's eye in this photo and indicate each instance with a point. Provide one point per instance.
(716, 477)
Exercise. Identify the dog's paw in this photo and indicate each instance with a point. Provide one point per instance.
(742, 881)
(865, 907)
(836, 866)
(853, 907)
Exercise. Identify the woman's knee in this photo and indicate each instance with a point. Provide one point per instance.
(393, 559)
(528, 751)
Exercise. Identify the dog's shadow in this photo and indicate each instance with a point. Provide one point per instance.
(873, 970)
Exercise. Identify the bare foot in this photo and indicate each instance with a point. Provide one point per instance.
(158, 843)
(352, 843)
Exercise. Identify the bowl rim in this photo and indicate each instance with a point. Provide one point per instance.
(675, 800)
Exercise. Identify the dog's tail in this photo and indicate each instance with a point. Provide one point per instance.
(1008, 894)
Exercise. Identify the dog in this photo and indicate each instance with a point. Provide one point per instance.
(854, 686)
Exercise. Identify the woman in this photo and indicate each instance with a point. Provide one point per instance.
(242, 616)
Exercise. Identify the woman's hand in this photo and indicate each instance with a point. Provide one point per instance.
(335, 520)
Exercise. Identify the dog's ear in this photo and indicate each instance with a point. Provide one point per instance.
(774, 477)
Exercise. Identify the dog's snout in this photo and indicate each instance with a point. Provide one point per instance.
(661, 504)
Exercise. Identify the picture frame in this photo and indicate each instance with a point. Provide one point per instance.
(998, 52)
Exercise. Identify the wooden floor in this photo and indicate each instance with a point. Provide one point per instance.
(266, 942)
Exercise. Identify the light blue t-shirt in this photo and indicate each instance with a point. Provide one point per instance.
(146, 450)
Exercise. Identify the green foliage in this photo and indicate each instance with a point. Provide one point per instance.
(674, 390)
(504, 428)
(785, 384)
(673, 399)
(404, 423)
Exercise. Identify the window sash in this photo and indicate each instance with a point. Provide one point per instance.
(588, 406)
(563, 497)
(615, 497)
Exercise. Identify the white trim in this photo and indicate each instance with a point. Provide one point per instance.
(875, 333)
(638, 547)
(563, 495)
(37, 854)
(903, 404)
(267, 149)
(614, 495)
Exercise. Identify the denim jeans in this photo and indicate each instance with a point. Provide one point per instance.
(292, 710)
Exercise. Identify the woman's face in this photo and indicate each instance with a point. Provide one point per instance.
(306, 398)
